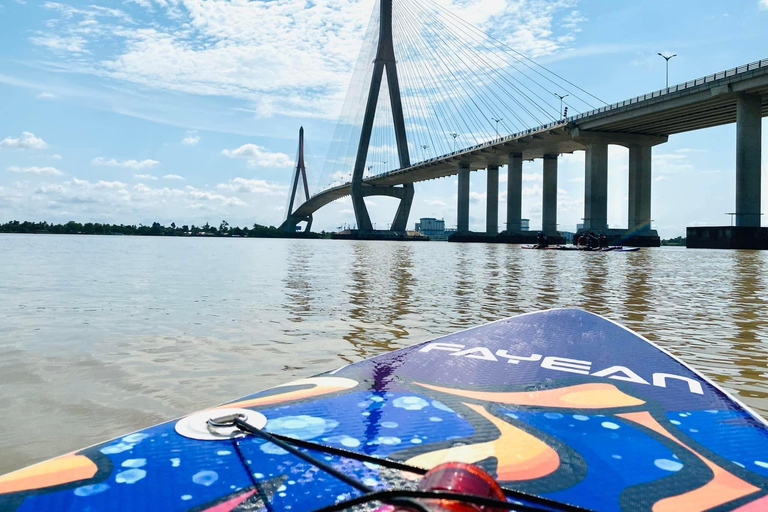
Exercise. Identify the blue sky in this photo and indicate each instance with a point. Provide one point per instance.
(188, 110)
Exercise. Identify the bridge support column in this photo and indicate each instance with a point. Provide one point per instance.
(401, 217)
(462, 215)
(748, 127)
(515, 193)
(549, 201)
(639, 218)
(492, 201)
(596, 187)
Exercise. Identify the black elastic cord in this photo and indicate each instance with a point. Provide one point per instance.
(389, 496)
(367, 491)
(243, 425)
(341, 452)
(398, 495)
(262, 495)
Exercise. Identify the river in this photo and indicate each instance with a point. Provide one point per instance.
(101, 335)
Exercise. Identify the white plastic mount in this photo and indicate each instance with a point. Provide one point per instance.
(196, 426)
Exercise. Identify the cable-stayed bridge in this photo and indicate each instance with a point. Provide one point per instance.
(433, 96)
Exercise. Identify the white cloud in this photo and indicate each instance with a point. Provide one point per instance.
(434, 202)
(252, 186)
(174, 177)
(118, 202)
(258, 156)
(529, 176)
(474, 197)
(211, 196)
(130, 164)
(190, 140)
(763, 4)
(56, 156)
(255, 50)
(27, 140)
(36, 170)
(46, 96)
(145, 177)
(73, 44)
(671, 163)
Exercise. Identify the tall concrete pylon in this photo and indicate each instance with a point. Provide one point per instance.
(385, 60)
(300, 173)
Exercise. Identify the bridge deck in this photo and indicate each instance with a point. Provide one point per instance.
(702, 103)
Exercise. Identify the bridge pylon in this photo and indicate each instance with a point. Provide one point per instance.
(299, 179)
(385, 61)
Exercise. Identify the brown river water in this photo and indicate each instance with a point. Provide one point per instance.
(100, 336)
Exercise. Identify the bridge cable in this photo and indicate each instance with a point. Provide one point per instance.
(473, 57)
(439, 89)
(445, 61)
(522, 56)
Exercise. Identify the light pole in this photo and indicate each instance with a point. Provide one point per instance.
(666, 58)
(498, 120)
(425, 148)
(561, 101)
(454, 135)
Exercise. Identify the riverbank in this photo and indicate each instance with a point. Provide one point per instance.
(156, 229)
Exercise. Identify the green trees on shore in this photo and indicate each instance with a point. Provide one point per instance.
(677, 241)
(156, 229)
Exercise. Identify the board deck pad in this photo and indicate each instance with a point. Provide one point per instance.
(562, 404)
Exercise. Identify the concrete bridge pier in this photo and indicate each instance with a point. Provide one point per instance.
(549, 196)
(515, 193)
(514, 233)
(639, 215)
(748, 142)
(462, 222)
(596, 187)
(638, 232)
(747, 233)
(492, 201)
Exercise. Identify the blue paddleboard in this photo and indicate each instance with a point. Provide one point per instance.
(565, 409)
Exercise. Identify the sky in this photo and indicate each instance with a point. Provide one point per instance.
(188, 111)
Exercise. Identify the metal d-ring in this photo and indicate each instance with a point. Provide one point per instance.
(227, 421)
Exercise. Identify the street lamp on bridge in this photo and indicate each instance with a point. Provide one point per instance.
(561, 102)
(666, 58)
(498, 120)
(425, 148)
(454, 135)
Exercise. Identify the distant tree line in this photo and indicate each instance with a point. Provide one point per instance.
(156, 229)
(680, 240)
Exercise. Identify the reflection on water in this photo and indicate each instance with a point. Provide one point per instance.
(748, 311)
(102, 335)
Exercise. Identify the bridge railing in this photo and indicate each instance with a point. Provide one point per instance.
(676, 88)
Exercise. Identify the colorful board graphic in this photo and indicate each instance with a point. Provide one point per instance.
(562, 404)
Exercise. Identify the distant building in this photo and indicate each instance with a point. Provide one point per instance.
(579, 227)
(432, 227)
(568, 236)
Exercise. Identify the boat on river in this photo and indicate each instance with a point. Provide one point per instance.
(611, 248)
(564, 409)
